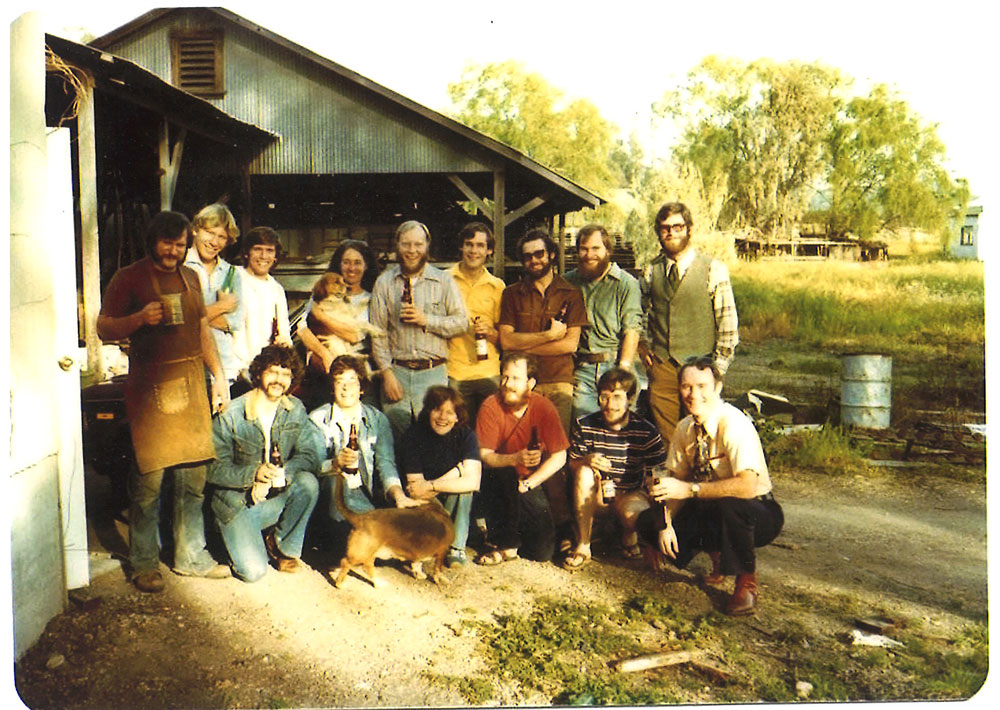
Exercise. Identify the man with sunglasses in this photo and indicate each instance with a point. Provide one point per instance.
(543, 315)
(689, 311)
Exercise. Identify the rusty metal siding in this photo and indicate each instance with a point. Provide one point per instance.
(326, 124)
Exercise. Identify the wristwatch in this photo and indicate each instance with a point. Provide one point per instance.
(695, 487)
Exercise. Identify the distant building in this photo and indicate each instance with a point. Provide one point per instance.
(965, 240)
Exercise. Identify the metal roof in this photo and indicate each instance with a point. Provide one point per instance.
(136, 85)
(510, 157)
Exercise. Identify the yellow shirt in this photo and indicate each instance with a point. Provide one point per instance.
(482, 298)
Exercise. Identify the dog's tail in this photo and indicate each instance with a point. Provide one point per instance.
(338, 497)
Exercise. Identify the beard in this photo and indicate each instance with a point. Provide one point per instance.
(591, 273)
(541, 273)
(673, 248)
(415, 270)
(513, 400)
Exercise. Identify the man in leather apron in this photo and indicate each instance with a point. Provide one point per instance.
(156, 303)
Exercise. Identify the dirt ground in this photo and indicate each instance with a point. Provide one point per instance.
(908, 544)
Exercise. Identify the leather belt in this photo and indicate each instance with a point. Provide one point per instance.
(422, 364)
(767, 496)
(594, 357)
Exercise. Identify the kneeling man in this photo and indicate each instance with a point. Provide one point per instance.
(719, 496)
(609, 452)
(252, 489)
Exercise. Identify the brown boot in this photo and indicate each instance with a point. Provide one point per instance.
(744, 595)
(715, 576)
(281, 561)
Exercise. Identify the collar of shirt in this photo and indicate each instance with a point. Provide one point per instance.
(684, 262)
(344, 420)
(252, 403)
(484, 277)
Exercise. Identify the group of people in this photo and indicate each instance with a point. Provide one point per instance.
(514, 406)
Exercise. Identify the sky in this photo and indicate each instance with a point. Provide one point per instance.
(625, 55)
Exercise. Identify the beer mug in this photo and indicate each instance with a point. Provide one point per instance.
(656, 474)
(173, 310)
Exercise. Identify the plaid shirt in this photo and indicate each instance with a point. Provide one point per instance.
(727, 329)
(435, 293)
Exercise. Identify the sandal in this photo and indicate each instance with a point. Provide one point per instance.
(495, 557)
(575, 560)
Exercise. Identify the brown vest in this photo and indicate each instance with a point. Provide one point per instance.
(689, 318)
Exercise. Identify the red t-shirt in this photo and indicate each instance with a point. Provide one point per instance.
(502, 432)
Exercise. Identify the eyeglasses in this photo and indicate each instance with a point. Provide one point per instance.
(679, 228)
(529, 255)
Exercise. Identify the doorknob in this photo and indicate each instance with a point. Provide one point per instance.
(66, 363)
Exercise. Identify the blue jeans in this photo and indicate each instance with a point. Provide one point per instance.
(289, 510)
(415, 384)
(190, 555)
(459, 507)
(585, 378)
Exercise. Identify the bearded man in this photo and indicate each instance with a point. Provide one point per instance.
(689, 309)
(418, 309)
(522, 445)
(612, 299)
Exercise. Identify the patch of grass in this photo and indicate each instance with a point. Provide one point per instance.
(828, 450)
(957, 673)
(475, 690)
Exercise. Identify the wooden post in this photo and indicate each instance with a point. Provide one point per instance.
(170, 163)
(499, 223)
(89, 237)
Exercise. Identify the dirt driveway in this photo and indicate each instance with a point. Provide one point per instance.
(903, 543)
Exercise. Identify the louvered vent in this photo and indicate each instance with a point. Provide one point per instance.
(197, 62)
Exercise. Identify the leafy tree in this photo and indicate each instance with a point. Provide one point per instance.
(886, 170)
(520, 108)
(762, 125)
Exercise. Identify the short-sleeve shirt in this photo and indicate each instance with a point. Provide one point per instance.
(131, 288)
(528, 311)
(482, 300)
(632, 450)
(425, 451)
(614, 306)
(733, 445)
(500, 431)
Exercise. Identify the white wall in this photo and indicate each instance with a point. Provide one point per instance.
(37, 569)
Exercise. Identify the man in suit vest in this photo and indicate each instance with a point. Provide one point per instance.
(689, 309)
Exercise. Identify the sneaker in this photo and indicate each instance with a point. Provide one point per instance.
(150, 582)
(456, 558)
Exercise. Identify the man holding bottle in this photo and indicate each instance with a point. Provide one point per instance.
(264, 477)
(522, 445)
(609, 452)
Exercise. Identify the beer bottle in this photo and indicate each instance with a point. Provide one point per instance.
(227, 283)
(274, 326)
(407, 299)
(561, 315)
(352, 444)
(279, 483)
(533, 443)
(481, 351)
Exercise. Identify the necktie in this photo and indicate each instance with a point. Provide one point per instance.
(672, 279)
(702, 468)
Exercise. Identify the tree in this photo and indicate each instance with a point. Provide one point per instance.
(886, 170)
(763, 126)
(520, 108)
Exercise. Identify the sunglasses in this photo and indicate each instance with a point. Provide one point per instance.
(529, 255)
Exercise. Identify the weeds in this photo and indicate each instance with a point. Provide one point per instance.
(827, 450)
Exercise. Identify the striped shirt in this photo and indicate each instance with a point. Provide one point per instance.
(435, 293)
(632, 450)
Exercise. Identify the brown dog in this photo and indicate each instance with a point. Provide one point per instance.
(409, 534)
(330, 297)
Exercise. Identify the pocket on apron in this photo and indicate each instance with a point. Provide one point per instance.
(172, 396)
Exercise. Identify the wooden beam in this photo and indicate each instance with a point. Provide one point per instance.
(470, 194)
(524, 209)
(89, 236)
(170, 163)
(499, 222)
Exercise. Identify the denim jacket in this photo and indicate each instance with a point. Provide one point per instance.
(239, 450)
(377, 452)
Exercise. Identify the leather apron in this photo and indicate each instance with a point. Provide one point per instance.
(167, 403)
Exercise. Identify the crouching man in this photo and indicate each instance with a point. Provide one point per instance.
(264, 477)
(719, 496)
(609, 452)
